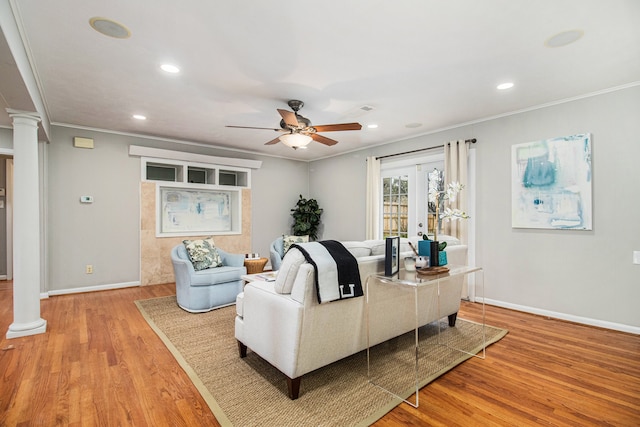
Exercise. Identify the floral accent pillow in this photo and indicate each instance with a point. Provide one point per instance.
(287, 241)
(202, 253)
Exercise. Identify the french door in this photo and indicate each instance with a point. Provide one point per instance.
(404, 201)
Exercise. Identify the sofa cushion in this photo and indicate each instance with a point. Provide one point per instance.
(357, 249)
(291, 262)
(377, 246)
(202, 253)
(449, 239)
(287, 241)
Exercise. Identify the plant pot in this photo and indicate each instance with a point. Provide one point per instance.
(424, 247)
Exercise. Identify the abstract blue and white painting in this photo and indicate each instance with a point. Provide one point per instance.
(551, 183)
(189, 210)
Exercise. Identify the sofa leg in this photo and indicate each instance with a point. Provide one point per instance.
(243, 349)
(452, 319)
(293, 385)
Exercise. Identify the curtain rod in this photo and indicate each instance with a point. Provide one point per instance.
(472, 140)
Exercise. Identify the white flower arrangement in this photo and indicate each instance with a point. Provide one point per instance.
(437, 197)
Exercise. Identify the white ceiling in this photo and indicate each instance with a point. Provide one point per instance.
(431, 62)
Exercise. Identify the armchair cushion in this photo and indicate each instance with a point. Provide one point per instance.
(202, 253)
(214, 276)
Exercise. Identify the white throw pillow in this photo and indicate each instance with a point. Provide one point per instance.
(288, 271)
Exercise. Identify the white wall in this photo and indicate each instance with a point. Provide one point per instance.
(275, 189)
(106, 233)
(6, 138)
(586, 276)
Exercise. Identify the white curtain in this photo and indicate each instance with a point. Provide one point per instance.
(372, 220)
(456, 154)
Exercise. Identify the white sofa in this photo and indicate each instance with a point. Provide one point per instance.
(287, 326)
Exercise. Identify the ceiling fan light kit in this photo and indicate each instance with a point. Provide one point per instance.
(295, 140)
(298, 131)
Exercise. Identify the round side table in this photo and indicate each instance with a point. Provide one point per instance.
(255, 265)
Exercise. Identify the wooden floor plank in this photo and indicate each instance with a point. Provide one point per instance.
(101, 364)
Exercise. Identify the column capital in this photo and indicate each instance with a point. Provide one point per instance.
(32, 115)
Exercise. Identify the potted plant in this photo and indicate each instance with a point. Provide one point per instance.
(306, 218)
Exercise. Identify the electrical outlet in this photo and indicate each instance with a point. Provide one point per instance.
(89, 269)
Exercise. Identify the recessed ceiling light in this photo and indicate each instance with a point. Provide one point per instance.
(109, 27)
(413, 125)
(372, 126)
(564, 38)
(503, 86)
(170, 68)
(139, 117)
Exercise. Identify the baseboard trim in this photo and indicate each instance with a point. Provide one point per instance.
(563, 316)
(91, 289)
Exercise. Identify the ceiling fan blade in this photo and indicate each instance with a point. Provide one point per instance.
(253, 127)
(289, 117)
(323, 139)
(272, 142)
(338, 127)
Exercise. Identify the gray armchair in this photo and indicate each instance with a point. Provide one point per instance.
(204, 290)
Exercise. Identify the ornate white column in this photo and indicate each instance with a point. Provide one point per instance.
(26, 227)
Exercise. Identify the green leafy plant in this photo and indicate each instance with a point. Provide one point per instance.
(441, 245)
(306, 218)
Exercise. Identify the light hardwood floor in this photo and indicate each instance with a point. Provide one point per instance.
(100, 364)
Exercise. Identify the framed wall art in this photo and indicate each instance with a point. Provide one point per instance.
(188, 211)
(392, 256)
(551, 183)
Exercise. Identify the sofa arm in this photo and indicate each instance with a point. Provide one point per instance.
(231, 260)
(272, 325)
(457, 254)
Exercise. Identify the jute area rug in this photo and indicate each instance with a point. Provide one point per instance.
(251, 392)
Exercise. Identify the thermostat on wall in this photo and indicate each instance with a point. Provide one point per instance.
(86, 199)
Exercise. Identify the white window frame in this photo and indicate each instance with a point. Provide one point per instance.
(243, 175)
(417, 195)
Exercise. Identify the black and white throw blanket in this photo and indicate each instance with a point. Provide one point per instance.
(336, 270)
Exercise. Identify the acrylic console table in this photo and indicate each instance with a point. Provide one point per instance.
(402, 365)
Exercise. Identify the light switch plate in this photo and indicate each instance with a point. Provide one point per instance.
(636, 257)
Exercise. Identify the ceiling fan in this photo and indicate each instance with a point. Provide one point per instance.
(298, 131)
